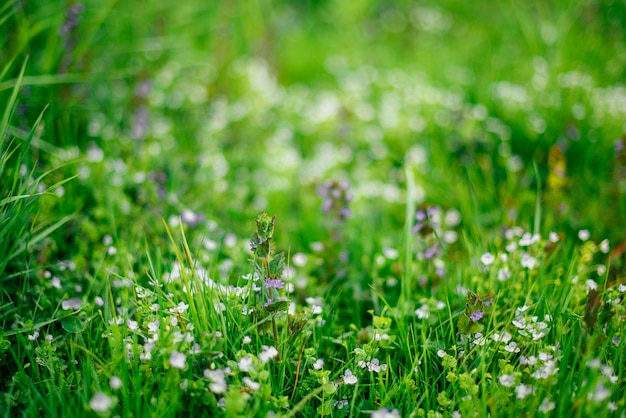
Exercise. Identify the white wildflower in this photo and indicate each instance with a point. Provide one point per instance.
(115, 382)
(506, 380)
(546, 406)
(100, 402)
(523, 391)
(349, 378)
(178, 360)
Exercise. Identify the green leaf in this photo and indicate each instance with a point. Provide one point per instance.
(464, 324)
(265, 226)
(4, 345)
(277, 265)
(72, 324)
(324, 409)
(282, 305)
(329, 388)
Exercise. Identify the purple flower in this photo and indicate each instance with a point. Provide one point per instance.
(336, 198)
(430, 252)
(476, 315)
(274, 283)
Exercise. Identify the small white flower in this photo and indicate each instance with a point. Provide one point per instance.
(178, 360)
(385, 413)
(605, 247)
(504, 274)
(479, 339)
(55, 282)
(519, 323)
(180, 308)
(390, 253)
(299, 259)
(553, 237)
(591, 285)
(250, 383)
(349, 378)
(218, 382)
(600, 393)
(512, 347)
(340, 404)
(487, 259)
(74, 304)
(154, 326)
(319, 364)
(528, 261)
(422, 312)
(506, 380)
(115, 382)
(99, 301)
(441, 353)
(546, 406)
(100, 402)
(505, 337)
(523, 391)
(247, 340)
(267, 354)
(33, 336)
(132, 325)
(245, 364)
(584, 234)
(528, 239)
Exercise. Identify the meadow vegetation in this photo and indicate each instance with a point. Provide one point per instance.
(312, 208)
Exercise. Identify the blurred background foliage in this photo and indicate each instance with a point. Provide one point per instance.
(193, 96)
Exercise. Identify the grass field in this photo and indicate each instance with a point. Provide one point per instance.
(313, 208)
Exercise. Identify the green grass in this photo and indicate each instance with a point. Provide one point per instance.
(449, 201)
